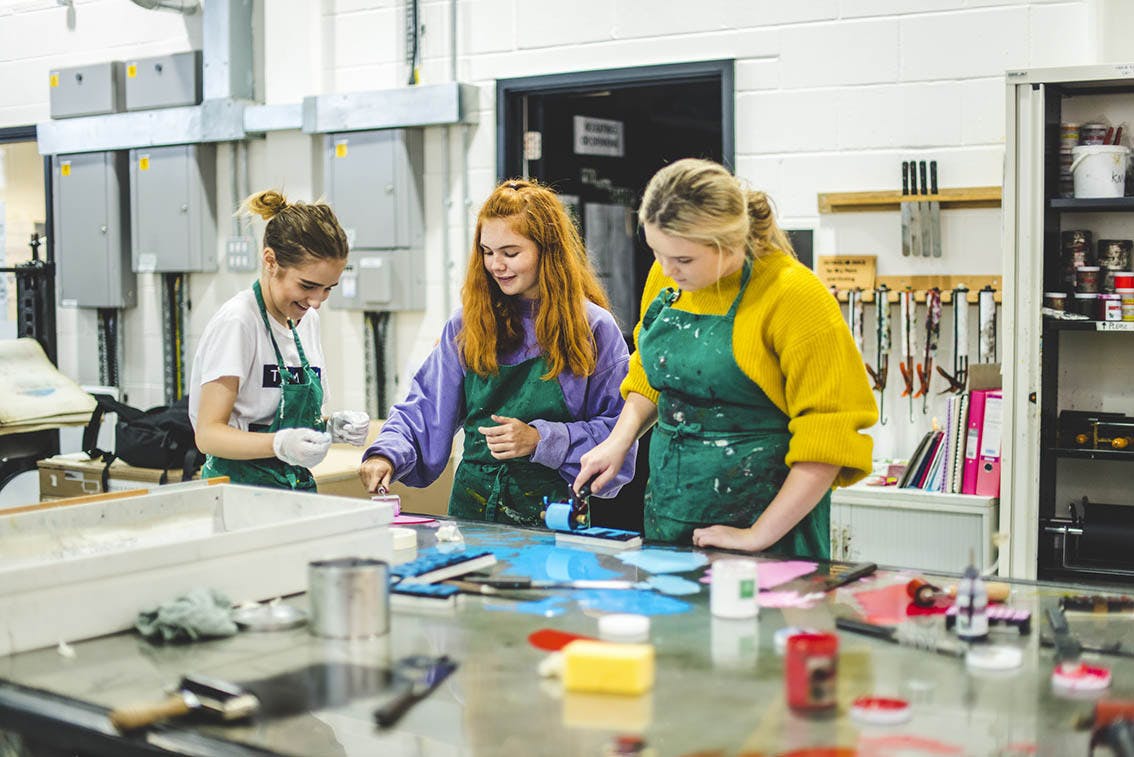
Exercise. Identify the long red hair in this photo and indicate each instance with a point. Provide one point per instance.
(492, 320)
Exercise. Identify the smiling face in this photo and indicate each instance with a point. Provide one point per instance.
(511, 259)
(289, 292)
(691, 265)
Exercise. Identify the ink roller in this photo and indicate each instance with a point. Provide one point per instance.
(214, 698)
(571, 522)
(574, 513)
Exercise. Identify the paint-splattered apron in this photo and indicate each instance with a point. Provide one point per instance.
(717, 453)
(507, 491)
(301, 406)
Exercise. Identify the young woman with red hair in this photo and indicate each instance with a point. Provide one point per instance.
(529, 368)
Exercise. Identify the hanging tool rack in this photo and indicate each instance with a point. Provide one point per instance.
(891, 199)
(922, 284)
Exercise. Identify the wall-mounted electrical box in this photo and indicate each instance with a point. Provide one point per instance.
(86, 90)
(92, 230)
(173, 208)
(374, 182)
(381, 280)
(166, 81)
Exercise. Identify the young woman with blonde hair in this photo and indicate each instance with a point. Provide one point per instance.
(529, 368)
(257, 386)
(747, 367)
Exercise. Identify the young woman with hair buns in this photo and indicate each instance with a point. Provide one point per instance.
(257, 386)
(746, 366)
(529, 368)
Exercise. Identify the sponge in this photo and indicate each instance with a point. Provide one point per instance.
(606, 668)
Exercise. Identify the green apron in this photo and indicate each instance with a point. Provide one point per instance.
(301, 406)
(717, 453)
(507, 491)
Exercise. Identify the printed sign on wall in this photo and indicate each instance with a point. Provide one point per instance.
(599, 136)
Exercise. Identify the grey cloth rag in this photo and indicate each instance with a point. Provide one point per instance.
(201, 613)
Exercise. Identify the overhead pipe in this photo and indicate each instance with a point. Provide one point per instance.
(184, 7)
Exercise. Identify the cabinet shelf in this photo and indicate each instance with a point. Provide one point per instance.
(1057, 324)
(1093, 204)
(1092, 454)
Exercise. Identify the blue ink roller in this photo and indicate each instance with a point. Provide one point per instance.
(574, 513)
(557, 516)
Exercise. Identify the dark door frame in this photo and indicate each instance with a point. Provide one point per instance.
(510, 94)
(11, 134)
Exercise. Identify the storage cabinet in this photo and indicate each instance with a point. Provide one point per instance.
(914, 529)
(1053, 366)
(91, 203)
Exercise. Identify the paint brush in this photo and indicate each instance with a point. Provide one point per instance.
(901, 635)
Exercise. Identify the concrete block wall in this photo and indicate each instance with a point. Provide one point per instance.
(830, 96)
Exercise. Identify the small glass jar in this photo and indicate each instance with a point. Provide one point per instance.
(1110, 307)
(1055, 300)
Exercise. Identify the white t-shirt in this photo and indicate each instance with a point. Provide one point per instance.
(235, 343)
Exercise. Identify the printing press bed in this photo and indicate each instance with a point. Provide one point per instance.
(719, 685)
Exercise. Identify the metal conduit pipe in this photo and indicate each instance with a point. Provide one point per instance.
(184, 7)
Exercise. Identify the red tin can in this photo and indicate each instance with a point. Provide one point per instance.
(811, 667)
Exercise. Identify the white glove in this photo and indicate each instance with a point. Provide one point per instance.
(304, 447)
(350, 426)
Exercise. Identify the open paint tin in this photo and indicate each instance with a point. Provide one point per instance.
(349, 598)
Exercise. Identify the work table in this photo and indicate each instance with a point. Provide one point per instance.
(719, 684)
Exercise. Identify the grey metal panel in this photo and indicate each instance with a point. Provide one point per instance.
(374, 182)
(212, 121)
(426, 105)
(166, 81)
(86, 90)
(261, 118)
(92, 230)
(173, 204)
(381, 280)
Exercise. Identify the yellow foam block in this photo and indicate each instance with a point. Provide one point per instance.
(606, 668)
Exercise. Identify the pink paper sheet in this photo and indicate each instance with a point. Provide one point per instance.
(414, 520)
(773, 573)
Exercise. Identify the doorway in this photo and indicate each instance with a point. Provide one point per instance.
(596, 137)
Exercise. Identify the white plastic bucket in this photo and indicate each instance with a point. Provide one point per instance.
(1099, 170)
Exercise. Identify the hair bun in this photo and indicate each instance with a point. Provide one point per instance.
(267, 204)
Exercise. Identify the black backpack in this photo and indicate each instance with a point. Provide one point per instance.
(161, 437)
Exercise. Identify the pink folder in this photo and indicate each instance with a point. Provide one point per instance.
(988, 470)
(972, 440)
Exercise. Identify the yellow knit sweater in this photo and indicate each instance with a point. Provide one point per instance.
(790, 339)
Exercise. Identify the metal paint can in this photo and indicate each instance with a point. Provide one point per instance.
(1078, 249)
(349, 598)
(811, 668)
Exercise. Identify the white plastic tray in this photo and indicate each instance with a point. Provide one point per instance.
(79, 571)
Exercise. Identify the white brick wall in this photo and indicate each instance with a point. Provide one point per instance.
(830, 96)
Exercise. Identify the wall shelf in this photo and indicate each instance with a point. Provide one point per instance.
(860, 202)
(1092, 454)
(1092, 204)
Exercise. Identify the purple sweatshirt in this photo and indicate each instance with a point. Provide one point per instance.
(418, 435)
